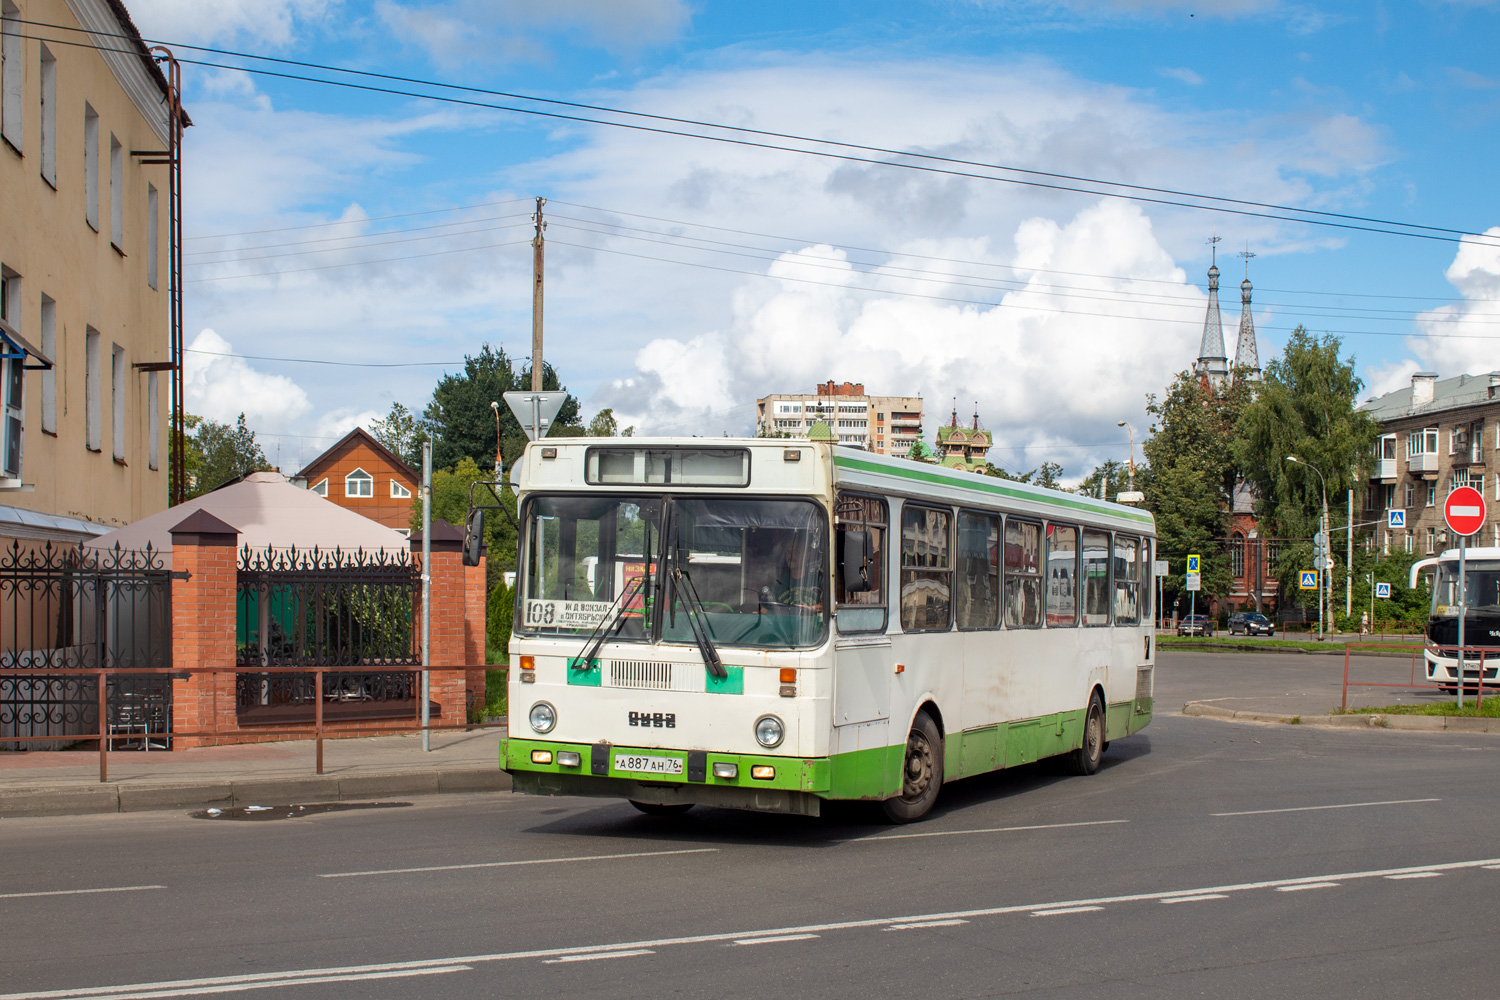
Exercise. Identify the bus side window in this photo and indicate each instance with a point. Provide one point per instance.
(926, 568)
(1127, 576)
(860, 523)
(976, 598)
(1023, 573)
(1062, 575)
(1095, 577)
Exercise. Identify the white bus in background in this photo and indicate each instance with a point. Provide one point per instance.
(768, 624)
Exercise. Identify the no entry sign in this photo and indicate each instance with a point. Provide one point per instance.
(1464, 510)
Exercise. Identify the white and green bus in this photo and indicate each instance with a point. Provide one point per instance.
(767, 624)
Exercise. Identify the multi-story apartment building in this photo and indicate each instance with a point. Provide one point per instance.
(85, 265)
(1434, 436)
(887, 425)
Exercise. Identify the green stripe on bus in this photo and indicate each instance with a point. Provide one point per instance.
(985, 486)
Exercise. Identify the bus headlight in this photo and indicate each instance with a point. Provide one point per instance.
(542, 717)
(769, 731)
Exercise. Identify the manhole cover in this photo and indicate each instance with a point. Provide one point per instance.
(257, 812)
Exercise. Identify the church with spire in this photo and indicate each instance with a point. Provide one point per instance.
(1213, 363)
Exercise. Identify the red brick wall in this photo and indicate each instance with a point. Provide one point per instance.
(203, 622)
(474, 621)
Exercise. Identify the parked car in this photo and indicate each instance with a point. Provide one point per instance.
(1196, 625)
(1251, 623)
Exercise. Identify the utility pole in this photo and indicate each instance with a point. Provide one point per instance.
(538, 271)
(1349, 558)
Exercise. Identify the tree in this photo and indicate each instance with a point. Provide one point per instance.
(1113, 476)
(1048, 475)
(224, 453)
(604, 424)
(462, 423)
(450, 502)
(192, 457)
(1305, 407)
(402, 433)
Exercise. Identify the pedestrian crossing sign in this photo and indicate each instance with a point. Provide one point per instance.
(1192, 564)
(1395, 519)
(1309, 579)
(1383, 590)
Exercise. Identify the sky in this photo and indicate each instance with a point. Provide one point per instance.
(687, 277)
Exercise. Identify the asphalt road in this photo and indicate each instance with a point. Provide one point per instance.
(1206, 858)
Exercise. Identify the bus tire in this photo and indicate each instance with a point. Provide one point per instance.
(662, 808)
(921, 773)
(1085, 760)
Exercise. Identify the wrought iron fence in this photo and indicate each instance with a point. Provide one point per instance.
(326, 609)
(69, 608)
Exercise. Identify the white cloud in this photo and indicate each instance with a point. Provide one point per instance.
(221, 388)
(208, 21)
(453, 31)
(1460, 338)
(1183, 74)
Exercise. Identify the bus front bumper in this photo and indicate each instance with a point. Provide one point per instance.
(792, 785)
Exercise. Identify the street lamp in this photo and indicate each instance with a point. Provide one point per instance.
(1130, 495)
(496, 407)
(1322, 575)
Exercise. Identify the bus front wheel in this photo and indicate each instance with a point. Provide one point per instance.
(921, 773)
(1085, 760)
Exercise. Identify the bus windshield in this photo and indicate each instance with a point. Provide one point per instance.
(1483, 578)
(758, 568)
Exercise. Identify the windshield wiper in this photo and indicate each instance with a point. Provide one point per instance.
(614, 618)
(684, 584)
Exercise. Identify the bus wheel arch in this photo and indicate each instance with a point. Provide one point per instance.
(1086, 758)
(921, 768)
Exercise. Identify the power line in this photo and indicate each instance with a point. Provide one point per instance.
(1167, 195)
(353, 263)
(321, 361)
(356, 222)
(356, 246)
(358, 236)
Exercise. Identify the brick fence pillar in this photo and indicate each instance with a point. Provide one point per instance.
(203, 625)
(448, 643)
(475, 602)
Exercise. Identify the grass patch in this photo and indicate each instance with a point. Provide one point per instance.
(494, 703)
(1490, 709)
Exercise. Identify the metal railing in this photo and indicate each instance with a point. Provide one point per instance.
(327, 679)
(1484, 661)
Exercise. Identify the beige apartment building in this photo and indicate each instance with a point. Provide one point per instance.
(84, 248)
(1435, 435)
(886, 425)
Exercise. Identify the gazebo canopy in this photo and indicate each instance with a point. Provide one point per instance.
(269, 513)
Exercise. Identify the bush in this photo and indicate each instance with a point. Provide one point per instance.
(500, 613)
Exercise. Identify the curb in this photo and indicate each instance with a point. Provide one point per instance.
(112, 797)
(1415, 723)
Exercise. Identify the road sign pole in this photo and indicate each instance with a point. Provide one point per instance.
(1463, 612)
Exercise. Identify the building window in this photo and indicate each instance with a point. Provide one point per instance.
(1431, 540)
(153, 420)
(49, 376)
(49, 117)
(1237, 556)
(92, 418)
(321, 489)
(400, 492)
(1422, 442)
(403, 532)
(1411, 496)
(1432, 494)
(116, 186)
(117, 400)
(1406, 543)
(13, 385)
(151, 243)
(12, 74)
(359, 483)
(91, 166)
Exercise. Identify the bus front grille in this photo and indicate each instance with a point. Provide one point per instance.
(649, 675)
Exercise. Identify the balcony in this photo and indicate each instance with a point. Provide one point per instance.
(1422, 465)
(1385, 470)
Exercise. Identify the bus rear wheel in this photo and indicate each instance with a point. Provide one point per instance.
(662, 808)
(1085, 760)
(921, 773)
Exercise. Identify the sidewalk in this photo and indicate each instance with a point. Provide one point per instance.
(53, 783)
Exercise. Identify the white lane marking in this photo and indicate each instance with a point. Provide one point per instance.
(1309, 885)
(997, 829)
(511, 864)
(925, 923)
(599, 955)
(1066, 909)
(1417, 875)
(1341, 805)
(78, 892)
(268, 984)
(775, 939)
(112, 992)
(1491, 867)
(1194, 898)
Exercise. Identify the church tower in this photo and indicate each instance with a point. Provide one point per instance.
(1213, 363)
(1245, 354)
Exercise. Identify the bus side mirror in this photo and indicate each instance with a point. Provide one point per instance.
(855, 562)
(473, 536)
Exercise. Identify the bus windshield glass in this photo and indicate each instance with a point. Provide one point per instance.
(582, 555)
(758, 569)
(1483, 587)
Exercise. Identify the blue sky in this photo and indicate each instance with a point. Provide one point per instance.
(330, 224)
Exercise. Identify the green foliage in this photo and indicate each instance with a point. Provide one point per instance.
(1305, 407)
(605, 425)
(1113, 476)
(450, 502)
(218, 453)
(1048, 475)
(462, 421)
(499, 617)
(402, 433)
